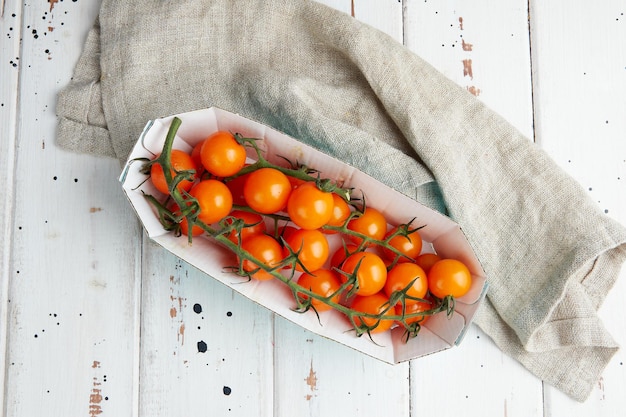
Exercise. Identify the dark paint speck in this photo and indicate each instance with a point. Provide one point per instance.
(202, 347)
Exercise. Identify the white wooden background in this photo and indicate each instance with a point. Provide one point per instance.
(97, 321)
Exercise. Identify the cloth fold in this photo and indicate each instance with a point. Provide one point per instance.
(349, 90)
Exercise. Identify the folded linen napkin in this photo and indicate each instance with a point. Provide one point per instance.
(343, 87)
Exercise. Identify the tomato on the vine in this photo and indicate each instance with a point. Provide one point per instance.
(253, 224)
(414, 308)
(309, 207)
(409, 246)
(311, 246)
(371, 274)
(373, 304)
(370, 223)
(427, 260)
(222, 155)
(179, 161)
(449, 277)
(341, 254)
(184, 224)
(266, 250)
(196, 156)
(341, 212)
(267, 190)
(323, 282)
(405, 275)
(214, 199)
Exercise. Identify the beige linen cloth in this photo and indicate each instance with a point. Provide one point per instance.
(327, 79)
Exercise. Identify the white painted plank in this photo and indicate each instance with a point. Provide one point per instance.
(204, 347)
(482, 46)
(384, 15)
(579, 61)
(9, 56)
(73, 287)
(319, 377)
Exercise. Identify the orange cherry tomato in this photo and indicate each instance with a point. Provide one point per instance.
(311, 246)
(449, 277)
(235, 186)
(410, 246)
(371, 274)
(196, 156)
(184, 224)
(267, 190)
(371, 223)
(285, 231)
(214, 198)
(309, 207)
(341, 211)
(222, 155)
(414, 308)
(404, 275)
(179, 161)
(266, 250)
(253, 225)
(373, 304)
(341, 254)
(323, 282)
(427, 260)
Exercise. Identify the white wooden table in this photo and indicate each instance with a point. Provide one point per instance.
(97, 321)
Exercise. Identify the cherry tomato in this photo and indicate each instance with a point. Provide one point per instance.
(222, 155)
(323, 282)
(196, 156)
(410, 246)
(312, 247)
(373, 304)
(427, 260)
(235, 186)
(401, 276)
(371, 223)
(214, 198)
(179, 161)
(418, 307)
(341, 254)
(371, 274)
(184, 224)
(449, 277)
(309, 207)
(285, 231)
(266, 190)
(266, 250)
(253, 225)
(341, 211)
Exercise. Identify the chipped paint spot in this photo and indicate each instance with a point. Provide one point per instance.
(95, 209)
(181, 333)
(175, 308)
(473, 90)
(95, 396)
(467, 68)
(461, 23)
(466, 46)
(52, 3)
(311, 381)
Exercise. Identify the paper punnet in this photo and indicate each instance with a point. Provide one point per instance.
(440, 234)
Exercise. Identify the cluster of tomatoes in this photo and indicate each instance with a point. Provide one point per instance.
(284, 223)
